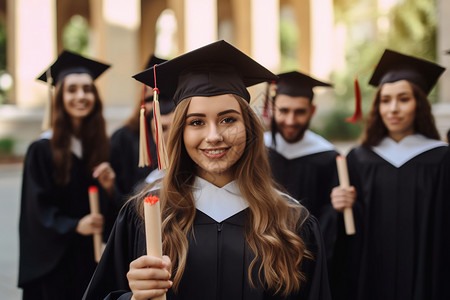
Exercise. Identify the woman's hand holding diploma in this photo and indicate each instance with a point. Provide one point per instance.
(149, 275)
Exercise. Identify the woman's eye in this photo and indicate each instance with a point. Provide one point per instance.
(384, 100)
(404, 99)
(228, 120)
(195, 122)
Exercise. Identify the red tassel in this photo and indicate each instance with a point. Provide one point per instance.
(357, 116)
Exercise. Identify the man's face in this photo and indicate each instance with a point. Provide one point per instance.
(292, 116)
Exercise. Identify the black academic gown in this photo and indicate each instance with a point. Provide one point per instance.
(310, 179)
(55, 262)
(125, 160)
(217, 261)
(402, 224)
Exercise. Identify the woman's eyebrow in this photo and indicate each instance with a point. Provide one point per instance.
(227, 112)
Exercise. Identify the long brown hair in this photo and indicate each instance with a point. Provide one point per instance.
(95, 143)
(271, 236)
(424, 122)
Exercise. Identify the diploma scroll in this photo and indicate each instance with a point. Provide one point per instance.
(152, 215)
(95, 209)
(344, 181)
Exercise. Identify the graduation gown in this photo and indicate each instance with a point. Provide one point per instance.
(401, 218)
(307, 170)
(125, 160)
(52, 254)
(217, 261)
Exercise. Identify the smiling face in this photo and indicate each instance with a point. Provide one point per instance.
(215, 136)
(398, 109)
(292, 116)
(78, 96)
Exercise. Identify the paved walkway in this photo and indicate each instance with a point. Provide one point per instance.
(10, 184)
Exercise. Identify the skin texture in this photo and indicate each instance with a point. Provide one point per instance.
(215, 136)
(397, 109)
(292, 116)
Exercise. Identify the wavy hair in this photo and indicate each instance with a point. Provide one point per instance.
(94, 140)
(424, 122)
(273, 237)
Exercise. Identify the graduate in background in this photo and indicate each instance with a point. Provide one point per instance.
(56, 226)
(125, 144)
(303, 162)
(400, 172)
(227, 232)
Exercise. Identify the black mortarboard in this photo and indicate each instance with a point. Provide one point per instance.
(296, 84)
(154, 60)
(394, 66)
(69, 63)
(215, 69)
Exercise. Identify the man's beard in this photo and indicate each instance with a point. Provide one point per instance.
(299, 136)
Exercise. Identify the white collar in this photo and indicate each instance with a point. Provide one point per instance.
(311, 143)
(397, 154)
(155, 175)
(75, 143)
(218, 203)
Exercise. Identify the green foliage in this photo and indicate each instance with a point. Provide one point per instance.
(6, 145)
(75, 35)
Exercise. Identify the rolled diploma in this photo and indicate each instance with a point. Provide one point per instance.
(344, 181)
(152, 215)
(95, 209)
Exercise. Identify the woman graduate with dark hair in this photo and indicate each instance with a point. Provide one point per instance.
(226, 231)
(400, 174)
(56, 225)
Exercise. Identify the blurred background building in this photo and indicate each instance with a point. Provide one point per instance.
(332, 40)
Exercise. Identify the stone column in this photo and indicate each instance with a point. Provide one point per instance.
(115, 25)
(265, 36)
(200, 23)
(31, 48)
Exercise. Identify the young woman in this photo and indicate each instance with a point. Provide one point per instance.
(400, 180)
(227, 232)
(56, 225)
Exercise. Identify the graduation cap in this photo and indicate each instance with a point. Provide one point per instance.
(212, 70)
(394, 66)
(69, 63)
(296, 84)
(215, 69)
